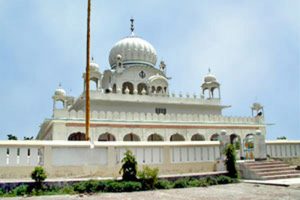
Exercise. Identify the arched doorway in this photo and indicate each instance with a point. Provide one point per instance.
(155, 137)
(129, 86)
(236, 141)
(131, 137)
(78, 136)
(197, 137)
(176, 137)
(249, 146)
(106, 137)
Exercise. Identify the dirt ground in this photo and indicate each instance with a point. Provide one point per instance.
(244, 191)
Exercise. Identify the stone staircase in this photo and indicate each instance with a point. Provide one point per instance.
(267, 170)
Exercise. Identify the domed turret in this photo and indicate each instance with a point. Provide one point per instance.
(94, 66)
(210, 84)
(133, 50)
(60, 92)
(209, 77)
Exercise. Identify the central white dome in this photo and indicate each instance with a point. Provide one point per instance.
(134, 50)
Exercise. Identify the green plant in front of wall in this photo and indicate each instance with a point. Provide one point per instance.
(129, 167)
(39, 176)
(230, 161)
(148, 177)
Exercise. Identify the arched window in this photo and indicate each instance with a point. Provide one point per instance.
(131, 137)
(93, 84)
(214, 137)
(197, 137)
(152, 89)
(78, 136)
(155, 137)
(59, 104)
(141, 87)
(176, 137)
(129, 86)
(106, 137)
(159, 89)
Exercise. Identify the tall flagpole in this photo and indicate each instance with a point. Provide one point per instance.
(87, 75)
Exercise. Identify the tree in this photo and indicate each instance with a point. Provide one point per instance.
(28, 138)
(281, 138)
(129, 167)
(11, 137)
(230, 161)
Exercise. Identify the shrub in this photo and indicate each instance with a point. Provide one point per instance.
(67, 190)
(79, 187)
(130, 186)
(20, 190)
(129, 167)
(163, 184)
(211, 181)
(1, 192)
(148, 177)
(194, 183)
(230, 161)
(39, 176)
(181, 183)
(114, 186)
(224, 180)
(203, 183)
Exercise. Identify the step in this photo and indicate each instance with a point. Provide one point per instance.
(268, 166)
(263, 163)
(277, 172)
(283, 176)
(273, 169)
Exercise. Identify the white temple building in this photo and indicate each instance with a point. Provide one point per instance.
(132, 102)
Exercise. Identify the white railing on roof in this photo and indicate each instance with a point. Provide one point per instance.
(148, 117)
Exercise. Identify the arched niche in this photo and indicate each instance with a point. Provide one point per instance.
(176, 137)
(215, 137)
(128, 85)
(197, 137)
(141, 87)
(155, 137)
(105, 137)
(78, 136)
(131, 137)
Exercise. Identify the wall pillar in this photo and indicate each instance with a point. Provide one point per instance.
(166, 155)
(47, 158)
(260, 147)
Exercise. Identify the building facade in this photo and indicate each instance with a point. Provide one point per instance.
(131, 102)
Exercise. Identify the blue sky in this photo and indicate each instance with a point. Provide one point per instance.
(253, 47)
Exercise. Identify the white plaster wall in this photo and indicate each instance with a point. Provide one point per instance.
(76, 156)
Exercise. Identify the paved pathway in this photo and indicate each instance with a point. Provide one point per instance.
(240, 191)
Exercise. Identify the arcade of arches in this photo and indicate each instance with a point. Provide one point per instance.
(79, 136)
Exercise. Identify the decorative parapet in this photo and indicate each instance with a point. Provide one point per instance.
(153, 117)
(159, 98)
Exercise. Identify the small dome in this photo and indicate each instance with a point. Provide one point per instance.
(157, 77)
(210, 78)
(94, 66)
(60, 92)
(133, 50)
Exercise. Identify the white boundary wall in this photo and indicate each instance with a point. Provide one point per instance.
(283, 148)
(82, 159)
